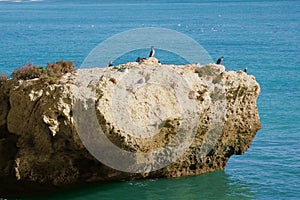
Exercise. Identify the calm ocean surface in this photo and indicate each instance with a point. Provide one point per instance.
(262, 35)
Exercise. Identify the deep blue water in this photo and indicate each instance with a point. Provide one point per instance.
(262, 35)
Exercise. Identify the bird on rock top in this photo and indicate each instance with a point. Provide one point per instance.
(152, 52)
(219, 60)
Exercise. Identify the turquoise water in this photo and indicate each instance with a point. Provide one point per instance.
(264, 36)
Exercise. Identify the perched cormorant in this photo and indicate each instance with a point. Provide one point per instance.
(139, 59)
(110, 64)
(245, 70)
(152, 52)
(219, 60)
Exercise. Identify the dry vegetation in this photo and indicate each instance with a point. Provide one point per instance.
(3, 78)
(50, 74)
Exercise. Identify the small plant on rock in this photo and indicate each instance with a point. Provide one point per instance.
(3, 78)
(58, 69)
(28, 72)
(49, 80)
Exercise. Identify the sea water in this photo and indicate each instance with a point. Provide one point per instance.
(261, 35)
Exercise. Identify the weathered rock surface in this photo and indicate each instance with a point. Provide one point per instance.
(139, 107)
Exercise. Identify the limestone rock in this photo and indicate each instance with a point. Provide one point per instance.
(174, 120)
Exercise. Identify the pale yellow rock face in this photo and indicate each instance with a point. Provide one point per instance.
(140, 107)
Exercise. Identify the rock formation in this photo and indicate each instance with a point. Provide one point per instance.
(142, 108)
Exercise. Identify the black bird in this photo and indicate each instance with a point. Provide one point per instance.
(110, 64)
(139, 59)
(245, 70)
(152, 52)
(219, 60)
